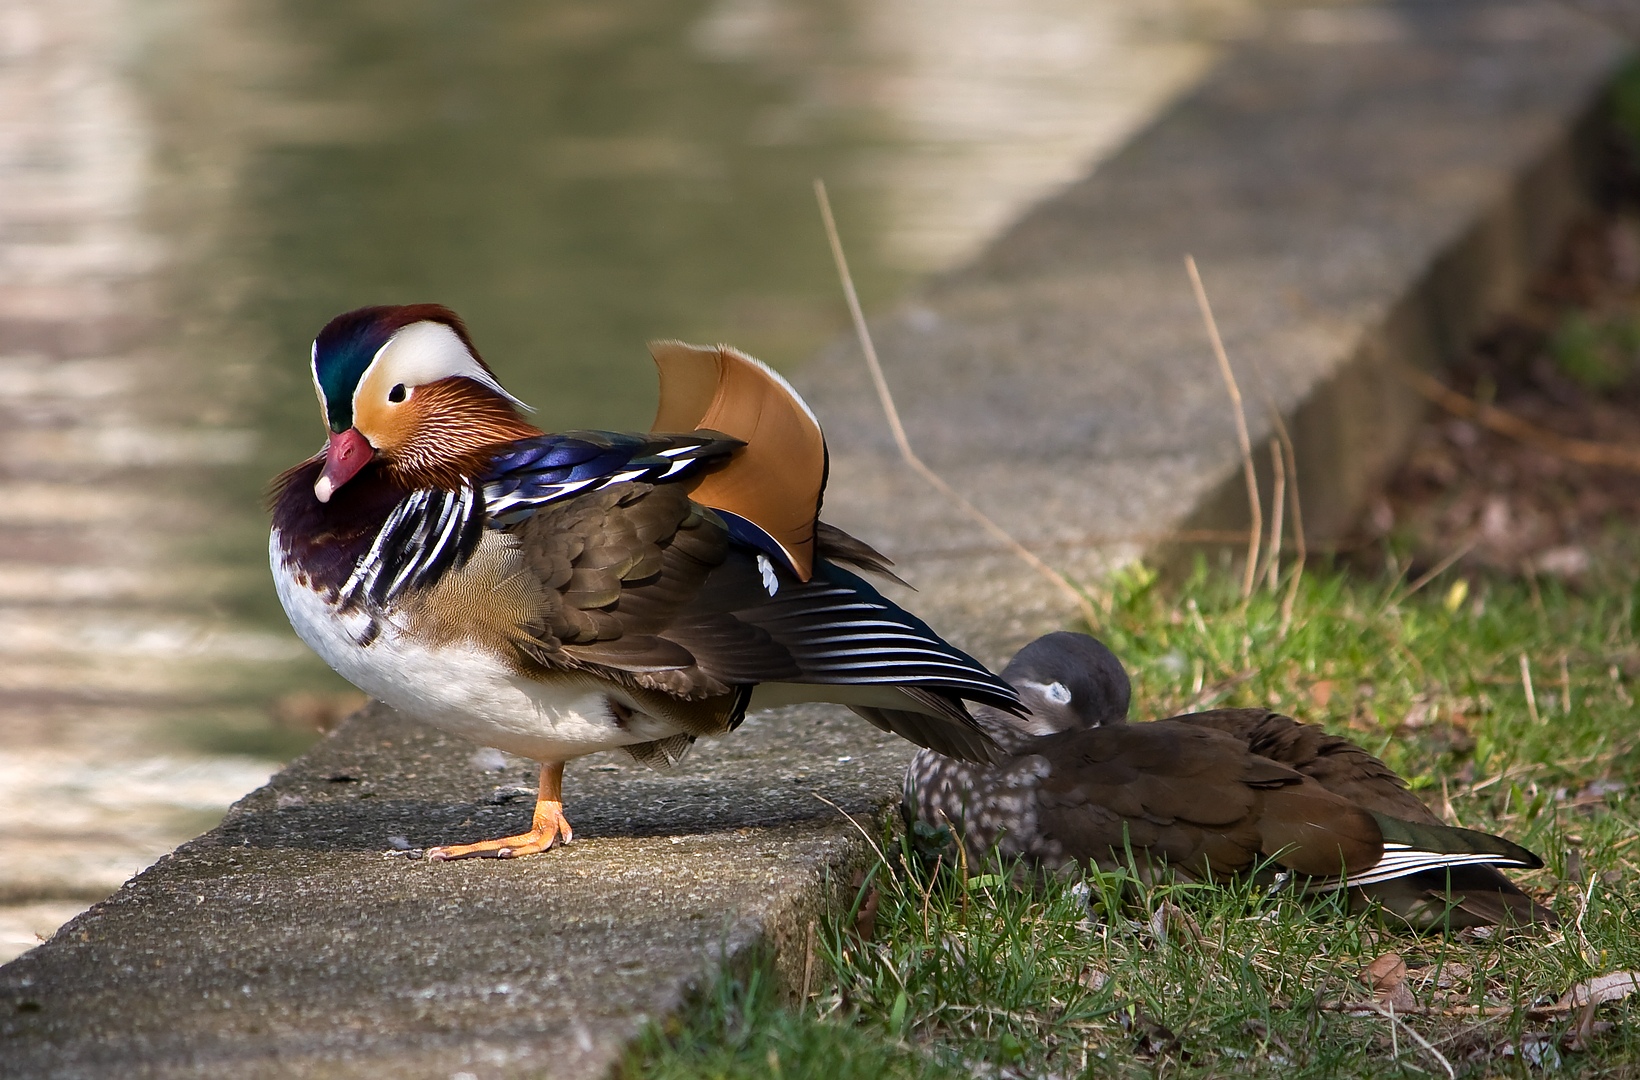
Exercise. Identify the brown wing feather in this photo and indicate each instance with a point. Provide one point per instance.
(839, 547)
(1337, 764)
(642, 586)
(1196, 797)
(625, 580)
(777, 480)
(615, 567)
(1482, 894)
(690, 380)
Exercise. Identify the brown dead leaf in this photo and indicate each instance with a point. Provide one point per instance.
(1385, 973)
(1421, 713)
(1387, 976)
(1321, 693)
(1612, 986)
(1151, 1038)
(1170, 921)
(1584, 1032)
(1182, 923)
(865, 920)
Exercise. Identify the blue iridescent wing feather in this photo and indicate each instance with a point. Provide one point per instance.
(534, 473)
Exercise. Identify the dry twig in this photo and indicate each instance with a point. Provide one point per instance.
(1582, 451)
(1395, 1021)
(1440, 568)
(1301, 549)
(1531, 695)
(1256, 529)
(1278, 499)
(1059, 580)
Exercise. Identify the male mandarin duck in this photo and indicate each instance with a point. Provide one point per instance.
(553, 595)
(1209, 794)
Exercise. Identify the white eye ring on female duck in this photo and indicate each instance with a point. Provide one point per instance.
(1056, 693)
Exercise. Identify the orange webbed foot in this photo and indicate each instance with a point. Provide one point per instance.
(547, 830)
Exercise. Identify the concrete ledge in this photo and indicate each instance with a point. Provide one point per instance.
(286, 943)
(1360, 185)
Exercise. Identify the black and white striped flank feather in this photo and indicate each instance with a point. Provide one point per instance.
(1414, 848)
(428, 534)
(841, 630)
(431, 532)
(759, 625)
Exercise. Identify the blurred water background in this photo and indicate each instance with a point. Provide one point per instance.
(190, 188)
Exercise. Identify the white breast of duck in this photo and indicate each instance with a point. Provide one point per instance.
(460, 677)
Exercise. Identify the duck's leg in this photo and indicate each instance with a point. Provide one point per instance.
(546, 830)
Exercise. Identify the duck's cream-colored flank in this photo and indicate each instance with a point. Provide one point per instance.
(459, 686)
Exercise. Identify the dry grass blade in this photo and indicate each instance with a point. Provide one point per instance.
(1531, 695)
(1440, 568)
(1278, 499)
(1209, 695)
(1256, 529)
(882, 858)
(1585, 949)
(1530, 1012)
(808, 963)
(1582, 451)
(1058, 580)
(1301, 548)
(1396, 1021)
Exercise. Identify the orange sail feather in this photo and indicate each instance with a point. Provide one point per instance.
(776, 482)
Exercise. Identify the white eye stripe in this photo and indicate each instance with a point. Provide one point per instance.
(318, 387)
(1057, 693)
(425, 352)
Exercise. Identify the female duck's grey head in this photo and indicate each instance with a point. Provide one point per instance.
(1069, 682)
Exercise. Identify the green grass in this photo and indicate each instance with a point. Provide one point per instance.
(969, 973)
(1597, 352)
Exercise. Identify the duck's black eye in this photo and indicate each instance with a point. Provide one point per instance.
(397, 393)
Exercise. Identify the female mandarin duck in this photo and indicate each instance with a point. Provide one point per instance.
(1209, 794)
(557, 595)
